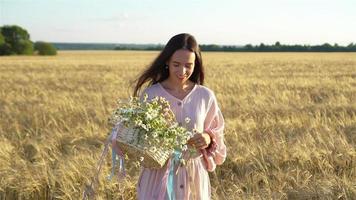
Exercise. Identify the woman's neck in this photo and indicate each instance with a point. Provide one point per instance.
(177, 87)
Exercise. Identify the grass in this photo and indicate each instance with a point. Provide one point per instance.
(290, 123)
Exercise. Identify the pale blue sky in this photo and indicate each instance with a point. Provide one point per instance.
(234, 22)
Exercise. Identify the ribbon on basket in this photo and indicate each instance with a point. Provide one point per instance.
(170, 183)
(89, 191)
(116, 153)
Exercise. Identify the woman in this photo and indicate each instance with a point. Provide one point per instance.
(177, 74)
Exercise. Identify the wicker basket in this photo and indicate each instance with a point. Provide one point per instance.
(129, 141)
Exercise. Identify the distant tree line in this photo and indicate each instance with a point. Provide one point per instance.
(106, 46)
(277, 47)
(15, 40)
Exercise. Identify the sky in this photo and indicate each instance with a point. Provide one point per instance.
(223, 22)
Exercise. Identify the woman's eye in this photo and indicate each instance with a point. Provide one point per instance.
(176, 65)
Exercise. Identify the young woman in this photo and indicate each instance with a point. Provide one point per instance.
(177, 74)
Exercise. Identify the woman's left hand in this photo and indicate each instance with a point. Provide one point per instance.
(200, 140)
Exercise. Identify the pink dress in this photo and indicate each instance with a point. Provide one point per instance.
(192, 180)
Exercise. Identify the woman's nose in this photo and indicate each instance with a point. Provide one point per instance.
(182, 70)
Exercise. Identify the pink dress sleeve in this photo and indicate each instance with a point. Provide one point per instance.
(214, 125)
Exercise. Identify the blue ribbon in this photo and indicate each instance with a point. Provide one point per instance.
(113, 158)
(170, 183)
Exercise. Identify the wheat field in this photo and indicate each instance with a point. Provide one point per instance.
(290, 123)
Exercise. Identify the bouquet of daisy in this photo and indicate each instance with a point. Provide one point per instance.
(147, 131)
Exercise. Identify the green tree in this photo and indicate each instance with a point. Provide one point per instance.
(2, 39)
(45, 48)
(25, 48)
(3, 46)
(17, 40)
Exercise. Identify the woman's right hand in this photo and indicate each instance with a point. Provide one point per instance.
(199, 141)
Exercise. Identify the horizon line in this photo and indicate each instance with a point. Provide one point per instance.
(200, 43)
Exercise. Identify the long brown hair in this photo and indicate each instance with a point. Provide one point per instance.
(157, 72)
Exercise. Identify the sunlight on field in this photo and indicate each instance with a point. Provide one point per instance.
(290, 123)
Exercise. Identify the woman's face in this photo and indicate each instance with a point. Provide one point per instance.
(181, 65)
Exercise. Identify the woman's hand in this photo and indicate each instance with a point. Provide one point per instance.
(200, 141)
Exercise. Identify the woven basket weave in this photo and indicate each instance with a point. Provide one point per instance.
(136, 147)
